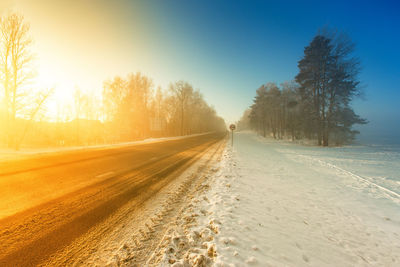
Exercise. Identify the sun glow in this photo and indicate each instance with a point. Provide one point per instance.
(61, 98)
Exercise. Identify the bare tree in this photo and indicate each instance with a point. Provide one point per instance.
(79, 103)
(139, 93)
(36, 108)
(158, 118)
(16, 73)
(182, 91)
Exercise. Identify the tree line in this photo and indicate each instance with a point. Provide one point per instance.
(133, 109)
(317, 104)
(129, 108)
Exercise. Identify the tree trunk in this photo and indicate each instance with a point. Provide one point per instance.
(326, 137)
(319, 135)
(182, 119)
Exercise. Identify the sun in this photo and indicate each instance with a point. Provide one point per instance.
(61, 99)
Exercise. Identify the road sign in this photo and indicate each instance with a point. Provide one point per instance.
(232, 127)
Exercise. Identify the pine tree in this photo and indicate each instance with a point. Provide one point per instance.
(328, 83)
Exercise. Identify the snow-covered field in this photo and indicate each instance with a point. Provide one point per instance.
(274, 203)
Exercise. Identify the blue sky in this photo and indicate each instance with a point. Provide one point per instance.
(229, 48)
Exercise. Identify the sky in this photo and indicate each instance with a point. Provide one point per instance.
(227, 49)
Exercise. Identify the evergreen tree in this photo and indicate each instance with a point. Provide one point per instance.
(328, 83)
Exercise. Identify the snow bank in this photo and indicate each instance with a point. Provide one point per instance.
(192, 240)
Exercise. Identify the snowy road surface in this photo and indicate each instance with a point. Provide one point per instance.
(279, 204)
(55, 209)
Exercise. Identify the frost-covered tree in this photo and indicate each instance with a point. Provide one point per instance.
(328, 79)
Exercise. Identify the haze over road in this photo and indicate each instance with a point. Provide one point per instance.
(49, 201)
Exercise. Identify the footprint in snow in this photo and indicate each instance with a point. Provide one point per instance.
(305, 258)
(251, 260)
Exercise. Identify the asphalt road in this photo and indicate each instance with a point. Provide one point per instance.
(48, 202)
